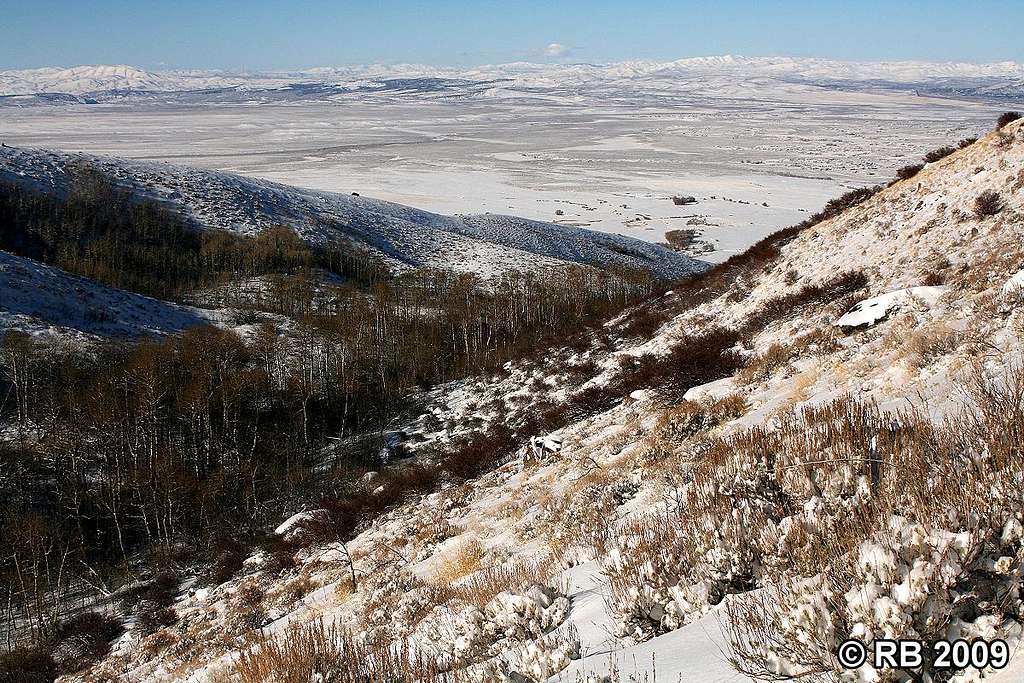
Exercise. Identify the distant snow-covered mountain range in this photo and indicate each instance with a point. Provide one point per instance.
(1000, 79)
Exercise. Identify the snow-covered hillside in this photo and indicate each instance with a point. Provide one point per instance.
(401, 236)
(654, 538)
(46, 301)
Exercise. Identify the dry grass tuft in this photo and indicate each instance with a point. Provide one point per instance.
(462, 561)
(293, 590)
(693, 417)
(159, 641)
(924, 345)
(247, 607)
(514, 576)
(803, 384)
(1004, 139)
(317, 652)
(764, 365)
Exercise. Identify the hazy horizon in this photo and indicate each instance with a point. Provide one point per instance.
(262, 35)
(531, 62)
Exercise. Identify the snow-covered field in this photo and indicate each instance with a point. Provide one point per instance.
(760, 143)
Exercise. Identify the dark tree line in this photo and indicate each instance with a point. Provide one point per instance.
(104, 232)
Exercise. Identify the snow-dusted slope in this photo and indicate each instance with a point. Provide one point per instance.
(82, 80)
(403, 236)
(609, 492)
(46, 301)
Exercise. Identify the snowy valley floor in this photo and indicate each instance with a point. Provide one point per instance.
(757, 156)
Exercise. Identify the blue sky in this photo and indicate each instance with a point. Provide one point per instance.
(262, 34)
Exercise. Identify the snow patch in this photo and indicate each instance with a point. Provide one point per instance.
(870, 311)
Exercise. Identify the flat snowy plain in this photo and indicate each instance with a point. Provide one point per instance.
(758, 153)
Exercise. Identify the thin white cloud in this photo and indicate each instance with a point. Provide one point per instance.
(556, 50)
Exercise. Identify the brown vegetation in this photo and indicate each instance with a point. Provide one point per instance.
(102, 232)
(908, 172)
(938, 154)
(988, 203)
(462, 561)
(1007, 118)
(27, 665)
(940, 477)
(319, 652)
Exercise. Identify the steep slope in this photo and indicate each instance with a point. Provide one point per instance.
(45, 301)
(403, 237)
(865, 481)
